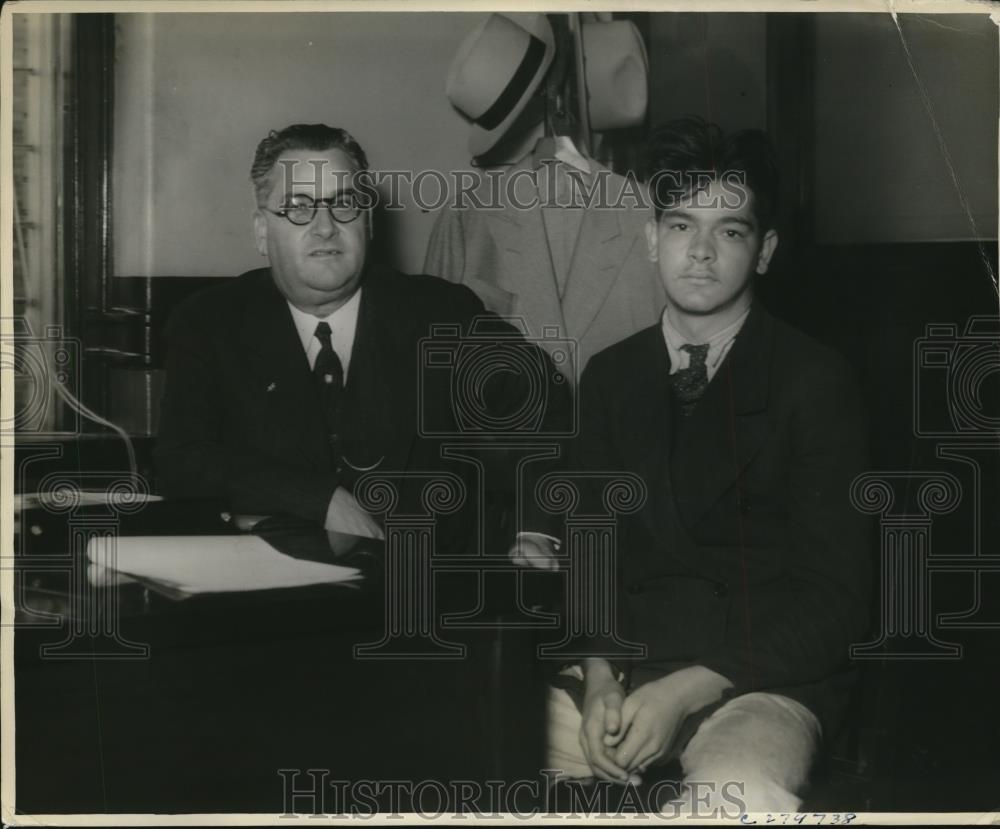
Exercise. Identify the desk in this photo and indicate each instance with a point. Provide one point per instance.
(237, 687)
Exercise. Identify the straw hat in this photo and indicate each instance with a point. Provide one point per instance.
(495, 72)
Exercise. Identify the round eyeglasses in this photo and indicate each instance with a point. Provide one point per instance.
(302, 209)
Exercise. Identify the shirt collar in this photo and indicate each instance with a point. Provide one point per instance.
(718, 343)
(343, 322)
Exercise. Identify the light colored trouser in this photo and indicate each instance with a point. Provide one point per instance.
(756, 748)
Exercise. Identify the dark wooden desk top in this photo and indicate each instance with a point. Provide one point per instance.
(235, 688)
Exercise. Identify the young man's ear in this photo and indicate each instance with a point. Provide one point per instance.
(260, 232)
(767, 246)
(653, 240)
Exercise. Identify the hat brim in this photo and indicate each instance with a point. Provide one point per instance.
(481, 140)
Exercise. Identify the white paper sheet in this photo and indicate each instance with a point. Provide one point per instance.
(84, 498)
(211, 564)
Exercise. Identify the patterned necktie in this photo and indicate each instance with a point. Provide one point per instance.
(690, 383)
(327, 370)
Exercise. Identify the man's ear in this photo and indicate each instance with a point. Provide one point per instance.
(653, 240)
(767, 247)
(260, 232)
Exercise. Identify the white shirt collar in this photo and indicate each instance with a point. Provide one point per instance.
(718, 344)
(343, 324)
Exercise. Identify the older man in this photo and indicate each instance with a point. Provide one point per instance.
(288, 383)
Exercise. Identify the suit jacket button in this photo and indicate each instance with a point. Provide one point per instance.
(634, 588)
(721, 590)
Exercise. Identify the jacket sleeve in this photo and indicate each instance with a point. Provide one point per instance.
(590, 459)
(192, 458)
(803, 634)
(446, 247)
(514, 398)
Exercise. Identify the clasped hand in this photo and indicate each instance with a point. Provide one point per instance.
(622, 735)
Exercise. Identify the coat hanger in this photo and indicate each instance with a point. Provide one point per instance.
(564, 132)
(565, 135)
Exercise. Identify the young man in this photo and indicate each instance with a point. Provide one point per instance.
(745, 574)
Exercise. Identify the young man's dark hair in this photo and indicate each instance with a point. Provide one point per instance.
(678, 150)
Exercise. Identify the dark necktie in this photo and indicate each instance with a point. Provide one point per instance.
(690, 383)
(327, 369)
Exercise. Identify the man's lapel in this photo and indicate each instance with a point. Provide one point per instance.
(275, 359)
(647, 431)
(728, 425)
(602, 248)
(383, 373)
(519, 236)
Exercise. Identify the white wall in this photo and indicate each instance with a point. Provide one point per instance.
(196, 92)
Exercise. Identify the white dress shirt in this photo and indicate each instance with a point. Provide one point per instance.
(343, 324)
(718, 344)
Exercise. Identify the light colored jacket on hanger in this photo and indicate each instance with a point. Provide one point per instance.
(611, 289)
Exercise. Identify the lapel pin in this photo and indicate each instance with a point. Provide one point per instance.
(272, 386)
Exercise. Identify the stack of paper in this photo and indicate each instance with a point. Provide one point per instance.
(211, 564)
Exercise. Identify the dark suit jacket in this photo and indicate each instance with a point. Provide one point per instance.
(748, 556)
(240, 417)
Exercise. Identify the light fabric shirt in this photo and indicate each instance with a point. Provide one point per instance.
(718, 344)
(343, 323)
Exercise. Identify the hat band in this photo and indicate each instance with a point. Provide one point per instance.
(519, 82)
